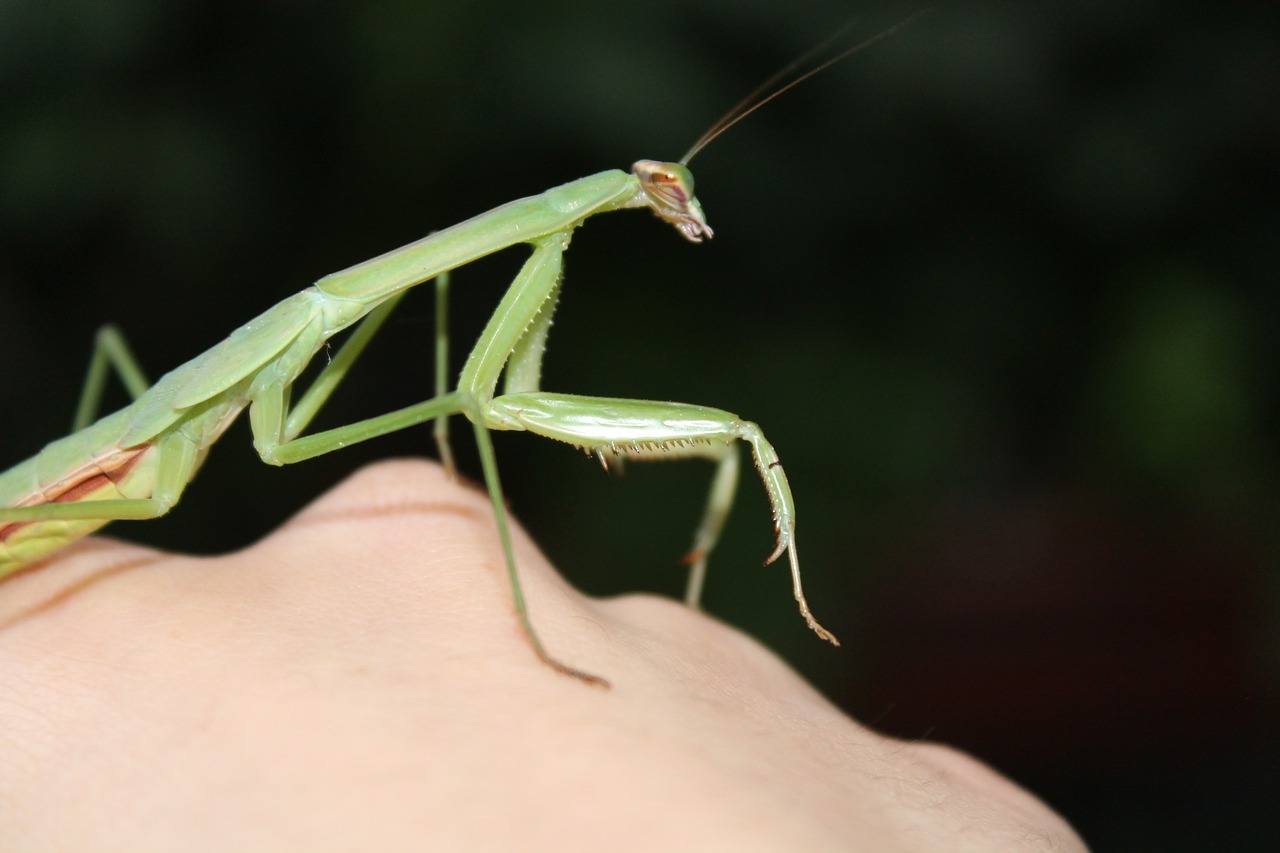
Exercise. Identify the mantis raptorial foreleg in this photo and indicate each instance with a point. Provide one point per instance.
(647, 428)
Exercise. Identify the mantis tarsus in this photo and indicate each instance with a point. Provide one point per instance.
(135, 463)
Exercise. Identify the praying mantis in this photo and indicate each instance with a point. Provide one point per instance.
(136, 463)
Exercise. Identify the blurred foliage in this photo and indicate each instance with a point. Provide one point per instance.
(1013, 254)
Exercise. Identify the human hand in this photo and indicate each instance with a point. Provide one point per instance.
(359, 681)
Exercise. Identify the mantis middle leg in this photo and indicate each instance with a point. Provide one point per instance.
(143, 481)
(274, 425)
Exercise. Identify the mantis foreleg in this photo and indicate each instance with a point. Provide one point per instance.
(648, 429)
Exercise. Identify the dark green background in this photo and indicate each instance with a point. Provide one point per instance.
(1000, 290)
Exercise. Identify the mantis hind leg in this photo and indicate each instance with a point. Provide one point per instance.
(110, 351)
(161, 472)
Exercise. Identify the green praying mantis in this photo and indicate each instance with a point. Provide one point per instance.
(136, 463)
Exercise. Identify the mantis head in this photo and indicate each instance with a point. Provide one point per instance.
(668, 190)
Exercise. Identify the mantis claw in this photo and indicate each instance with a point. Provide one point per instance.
(804, 605)
(564, 669)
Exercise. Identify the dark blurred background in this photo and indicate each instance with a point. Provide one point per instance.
(999, 289)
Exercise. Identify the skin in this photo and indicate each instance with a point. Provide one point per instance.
(358, 680)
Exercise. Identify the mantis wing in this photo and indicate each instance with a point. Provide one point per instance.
(245, 350)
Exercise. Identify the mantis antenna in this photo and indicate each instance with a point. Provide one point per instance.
(775, 86)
